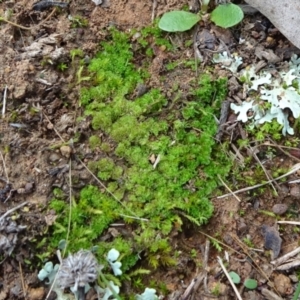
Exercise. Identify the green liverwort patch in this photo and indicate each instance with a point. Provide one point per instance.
(161, 164)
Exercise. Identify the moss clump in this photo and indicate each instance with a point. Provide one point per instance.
(94, 142)
(144, 130)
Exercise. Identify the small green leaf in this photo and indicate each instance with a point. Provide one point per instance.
(178, 21)
(227, 15)
(62, 244)
(235, 277)
(250, 284)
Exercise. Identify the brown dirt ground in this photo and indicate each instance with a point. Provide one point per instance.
(32, 155)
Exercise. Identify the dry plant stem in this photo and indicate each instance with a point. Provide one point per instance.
(205, 263)
(289, 222)
(4, 168)
(294, 181)
(270, 295)
(285, 257)
(70, 209)
(294, 169)
(54, 281)
(109, 192)
(229, 278)
(4, 102)
(189, 289)
(238, 155)
(228, 188)
(254, 264)
(281, 149)
(194, 285)
(100, 182)
(288, 266)
(31, 27)
(8, 197)
(22, 280)
(154, 6)
(53, 127)
(12, 210)
(264, 169)
(225, 245)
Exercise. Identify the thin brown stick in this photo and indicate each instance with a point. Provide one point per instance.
(253, 263)
(229, 278)
(154, 6)
(4, 168)
(280, 148)
(109, 192)
(99, 181)
(12, 210)
(264, 169)
(70, 205)
(294, 169)
(53, 127)
(195, 283)
(285, 257)
(228, 188)
(223, 244)
(4, 102)
(31, 27)
(22, 280)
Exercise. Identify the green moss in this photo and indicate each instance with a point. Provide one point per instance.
(153, 35)
(94, 141)
(105, 147)
(93, 212)
(177, 134)
(105, 168)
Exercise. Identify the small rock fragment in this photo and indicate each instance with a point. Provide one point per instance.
(295, 191)
(279, 209)
(65, 151)
(36, 293)
(295, 152)
(53, 157)
(283, 284)
(272, 239)
(242, 227)
(270, 295)
(294, 278)
(97, 2)
(221, 287)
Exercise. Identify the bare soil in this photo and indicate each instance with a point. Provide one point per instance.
(44, 106)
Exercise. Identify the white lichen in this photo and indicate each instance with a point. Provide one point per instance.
(280, 93)
(77, 270)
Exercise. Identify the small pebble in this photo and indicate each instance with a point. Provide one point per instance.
(222, 288)
(295, 191)
(36, 293)
(65, 151)
(53, 157)
(279, 209)
(283, 284)
(294, 278)
(272, 239)
(269, 295)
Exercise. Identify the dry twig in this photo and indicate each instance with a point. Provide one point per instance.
(154, 6)
(31, 27)
(285, 257)
(294, 169)
(228, 188)
(264, 169)
(229, 278)
(22, 280)
(195, 283)
(4, 102)
(12, 210)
